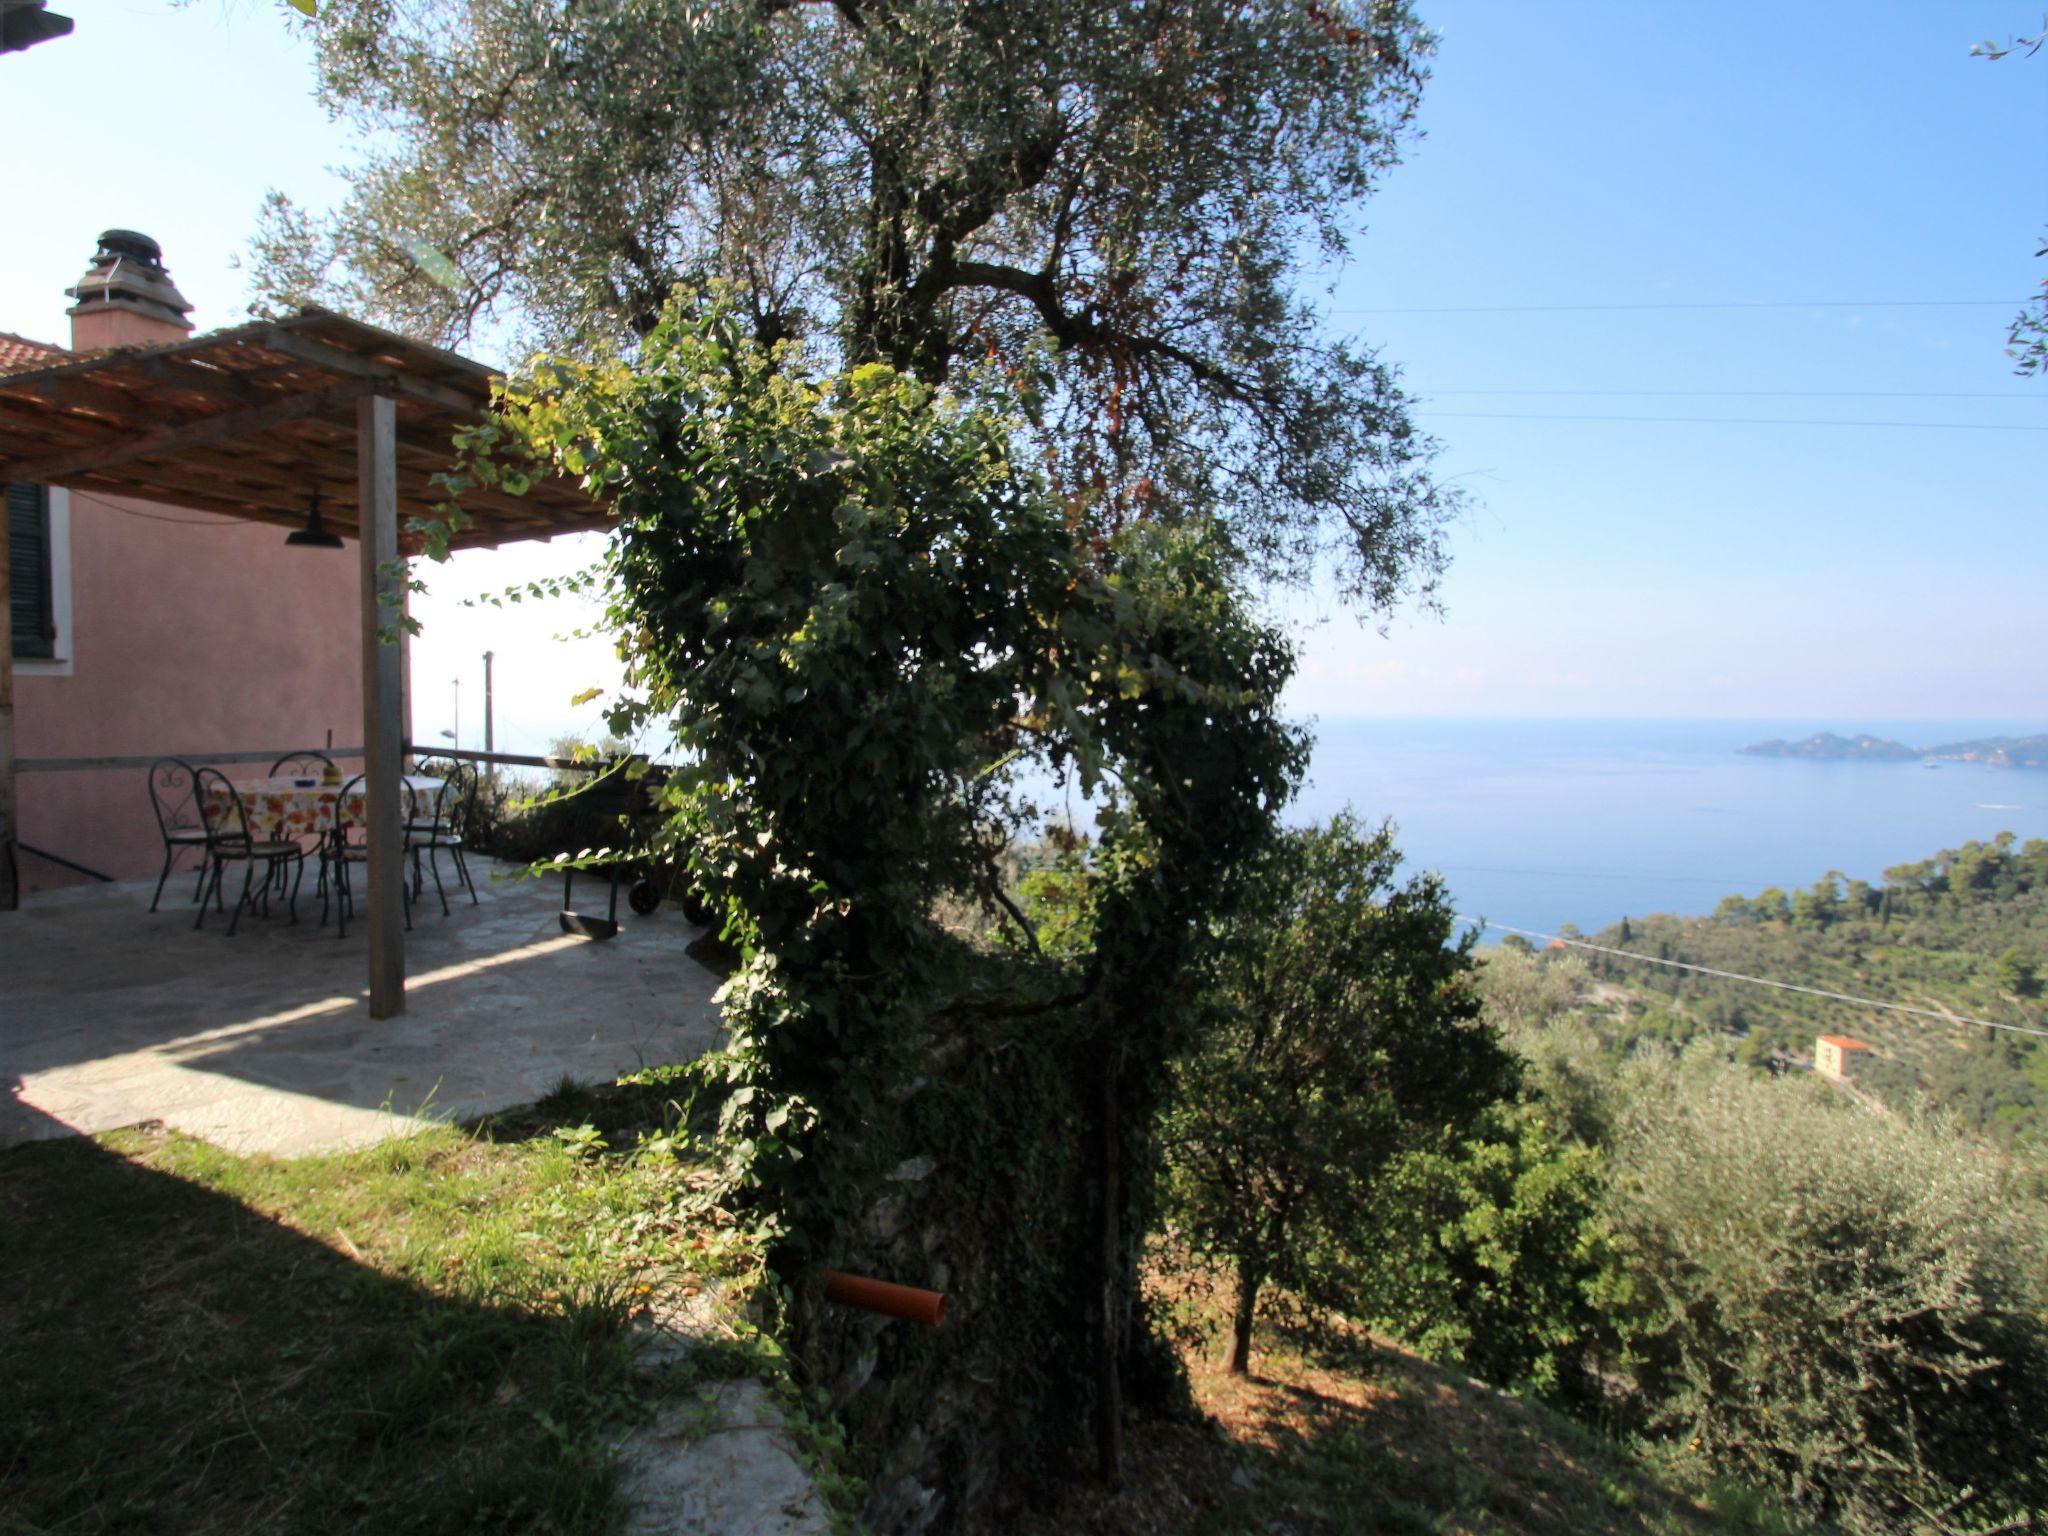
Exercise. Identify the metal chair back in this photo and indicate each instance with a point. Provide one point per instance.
(454, 802)
(310, 764)
(174, 797)
(220, 807)
(352, 810)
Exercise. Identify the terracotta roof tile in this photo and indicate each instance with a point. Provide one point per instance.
(1846, 1042)
(20, 352)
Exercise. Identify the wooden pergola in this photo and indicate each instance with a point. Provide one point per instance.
(243, 422)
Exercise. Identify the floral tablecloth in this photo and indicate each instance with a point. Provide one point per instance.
(281, 809)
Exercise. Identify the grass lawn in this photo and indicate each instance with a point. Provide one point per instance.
(427, 1336)
(433, 1336)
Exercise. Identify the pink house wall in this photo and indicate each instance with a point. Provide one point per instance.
(188, 637)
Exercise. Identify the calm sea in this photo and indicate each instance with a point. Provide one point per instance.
(1542, 822)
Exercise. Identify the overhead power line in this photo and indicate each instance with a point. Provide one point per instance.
(1581, 309)
(1760, 981)
(1734, 421)
(2033, 397)
(1719, 882)
(158, 517)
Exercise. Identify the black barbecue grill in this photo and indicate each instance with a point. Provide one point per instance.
(632, 802)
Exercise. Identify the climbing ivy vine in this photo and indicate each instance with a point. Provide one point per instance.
(868, 623)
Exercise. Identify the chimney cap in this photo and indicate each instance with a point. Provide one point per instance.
(131, 243)
(127, 272)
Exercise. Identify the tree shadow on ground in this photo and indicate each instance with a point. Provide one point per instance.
(1382, 1442)
(180, 1363)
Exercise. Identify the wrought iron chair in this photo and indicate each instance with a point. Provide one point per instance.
(446, 818)
(310, 764)
(178, 820)
(228, 842)
(339, 852)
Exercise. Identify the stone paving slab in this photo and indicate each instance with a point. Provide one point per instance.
(724, 1465)
(111, 1015)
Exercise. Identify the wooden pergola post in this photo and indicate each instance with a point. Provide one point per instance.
(383, 599)
(10, 885)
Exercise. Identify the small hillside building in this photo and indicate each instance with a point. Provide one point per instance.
(1836, 1056)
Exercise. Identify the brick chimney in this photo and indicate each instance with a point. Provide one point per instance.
(126, 298)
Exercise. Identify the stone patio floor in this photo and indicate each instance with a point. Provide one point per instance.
(111, 1015)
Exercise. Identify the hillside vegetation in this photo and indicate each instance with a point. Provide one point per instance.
(1961, 935)
(1350, 1433)
(1674, 1231)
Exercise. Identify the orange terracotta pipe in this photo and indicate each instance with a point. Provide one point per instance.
(904, 1301)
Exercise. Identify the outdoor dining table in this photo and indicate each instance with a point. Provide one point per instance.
(285, 808)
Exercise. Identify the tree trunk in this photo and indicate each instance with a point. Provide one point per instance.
(1109, 1430)
(1248, 1282)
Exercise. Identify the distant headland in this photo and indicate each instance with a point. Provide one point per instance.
(1995, 751)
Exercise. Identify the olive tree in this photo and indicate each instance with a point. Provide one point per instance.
(1122, 203)
(1840, 1305)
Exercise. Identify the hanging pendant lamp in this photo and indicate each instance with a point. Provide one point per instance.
(314, 535)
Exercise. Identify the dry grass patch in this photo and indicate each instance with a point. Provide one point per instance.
(1373, 1439)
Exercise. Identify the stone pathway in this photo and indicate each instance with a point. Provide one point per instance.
(111, 1015)
(720, 1466)
(721, 1463)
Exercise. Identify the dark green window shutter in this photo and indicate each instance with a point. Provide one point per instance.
(28, 549)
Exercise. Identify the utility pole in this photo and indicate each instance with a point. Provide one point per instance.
(456, 734)
(490, 739)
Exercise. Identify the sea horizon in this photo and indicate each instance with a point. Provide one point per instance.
(1538, 821)
(1535, 821)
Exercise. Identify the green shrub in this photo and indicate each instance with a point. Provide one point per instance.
(1833, 1302)
(1522, 989)
(526, 822)
(863, 615)
(1494, 1254)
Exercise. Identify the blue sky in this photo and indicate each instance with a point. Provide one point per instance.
(1573, 155)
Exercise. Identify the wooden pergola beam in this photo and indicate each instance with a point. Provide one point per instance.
(183, 373)
(77, 392)
(337, 360)
(267, 478)
(84, 429)
(222, 426)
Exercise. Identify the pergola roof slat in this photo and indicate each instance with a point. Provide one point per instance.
(218, 427)
(247, 422)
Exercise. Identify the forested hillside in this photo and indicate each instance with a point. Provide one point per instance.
(1962, 935)
(1677, 1233)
